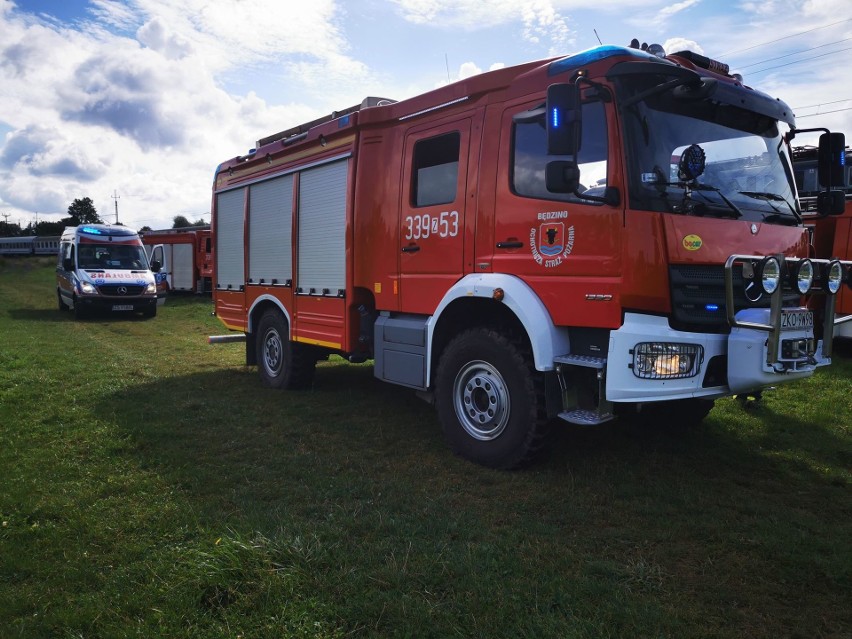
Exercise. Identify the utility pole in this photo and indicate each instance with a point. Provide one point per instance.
(115, 196)
(6, 217)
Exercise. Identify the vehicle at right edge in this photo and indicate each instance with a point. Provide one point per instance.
(831, 236)
(610, 234)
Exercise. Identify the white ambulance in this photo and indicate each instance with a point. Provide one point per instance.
(104, 268)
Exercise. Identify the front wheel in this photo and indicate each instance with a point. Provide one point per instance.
(280, 362)
(489, 399)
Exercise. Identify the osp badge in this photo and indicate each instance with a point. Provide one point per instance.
(550, 242)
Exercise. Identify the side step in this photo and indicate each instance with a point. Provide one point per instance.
(584, 416)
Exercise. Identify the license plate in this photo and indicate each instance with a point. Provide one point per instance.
(122, 307)
(796, 320)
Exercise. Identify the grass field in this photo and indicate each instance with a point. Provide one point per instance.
(151, 488)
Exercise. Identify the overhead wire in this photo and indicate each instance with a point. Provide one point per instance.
(792, 35)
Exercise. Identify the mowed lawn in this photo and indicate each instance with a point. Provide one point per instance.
(149, 487)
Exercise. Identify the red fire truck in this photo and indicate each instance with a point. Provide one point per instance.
(615, 233)
(831, 236)
(186, 256)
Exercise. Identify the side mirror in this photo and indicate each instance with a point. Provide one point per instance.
(156, 266)
(68, 264)
(831, 202)
(562, 176)
(831, 159)
(563, 119)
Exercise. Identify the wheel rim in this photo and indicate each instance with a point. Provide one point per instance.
(272, 352)
(481, 400)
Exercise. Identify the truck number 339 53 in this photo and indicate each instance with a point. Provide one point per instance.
(422, 226)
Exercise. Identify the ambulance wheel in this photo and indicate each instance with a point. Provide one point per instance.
(79, 311)
(62, 305)
(280, 362)
(490, 399)
(150, 312)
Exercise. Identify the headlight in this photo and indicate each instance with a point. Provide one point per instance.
(803, 276)
(770, 275)
(88, 288)
(151, 288)
(664, 360)
(835, 277)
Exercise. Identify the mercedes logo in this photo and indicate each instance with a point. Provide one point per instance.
(122, 290)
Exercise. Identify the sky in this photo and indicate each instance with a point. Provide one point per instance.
(134, 103)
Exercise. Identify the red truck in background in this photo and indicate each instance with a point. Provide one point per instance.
(831, 236)
(186, 256)
(610, 234)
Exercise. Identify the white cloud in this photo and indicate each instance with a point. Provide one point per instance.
(541, 22)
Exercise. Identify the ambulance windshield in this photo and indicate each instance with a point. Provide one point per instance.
(111, 257)
(738, 165)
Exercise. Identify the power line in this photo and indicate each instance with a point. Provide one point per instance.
(792, 35)
(779, 66)
(811, 106)
(821, 46)
(814, 115)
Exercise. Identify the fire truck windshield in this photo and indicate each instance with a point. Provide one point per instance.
(745, 171)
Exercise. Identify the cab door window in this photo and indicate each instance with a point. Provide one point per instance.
(529, 157)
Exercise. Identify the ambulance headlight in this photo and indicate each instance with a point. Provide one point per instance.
(666, 360)
(151, 288)
(834, 278)
(87, 288)
(769, 275)
(803, 276)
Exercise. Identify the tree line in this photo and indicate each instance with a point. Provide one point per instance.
(80, 211)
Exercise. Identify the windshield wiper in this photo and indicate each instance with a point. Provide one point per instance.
(773, 197)
(735, 210)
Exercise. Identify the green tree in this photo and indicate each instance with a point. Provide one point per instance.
(82, 211)
(180, 222)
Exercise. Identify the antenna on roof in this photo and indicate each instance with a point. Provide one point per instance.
(447, 62)
(597, 36)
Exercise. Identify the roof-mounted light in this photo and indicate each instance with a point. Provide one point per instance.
(91, 230)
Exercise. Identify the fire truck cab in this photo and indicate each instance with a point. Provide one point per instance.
(614, 233)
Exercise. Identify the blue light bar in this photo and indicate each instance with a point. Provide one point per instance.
(90, 230)
(554, 117)
(587, 57)
(711, 307)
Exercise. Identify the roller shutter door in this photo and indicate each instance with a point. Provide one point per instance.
(230, 270)
(271, 231)
(322, 228)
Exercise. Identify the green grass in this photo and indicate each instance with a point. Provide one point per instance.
(150, 487)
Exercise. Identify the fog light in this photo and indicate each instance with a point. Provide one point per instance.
(664, 360)
(835, 277)
(803, 276)
(769, 275)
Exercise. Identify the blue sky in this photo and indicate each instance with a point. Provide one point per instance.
(143, 98)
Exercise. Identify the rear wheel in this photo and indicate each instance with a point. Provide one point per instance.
(280, 362)
(489, 399)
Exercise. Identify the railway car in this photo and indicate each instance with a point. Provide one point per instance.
(17, 245)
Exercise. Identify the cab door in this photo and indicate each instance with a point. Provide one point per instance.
(432, 214)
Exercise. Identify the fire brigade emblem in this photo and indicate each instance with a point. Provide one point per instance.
(551, 242)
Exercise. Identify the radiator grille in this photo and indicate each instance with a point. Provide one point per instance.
(112, 289)
(698, 297)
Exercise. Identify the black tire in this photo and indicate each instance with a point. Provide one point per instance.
(150, 312)
(62, 305)
(280, 362)
(79, 311)
(490, 399)
(680, 414)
